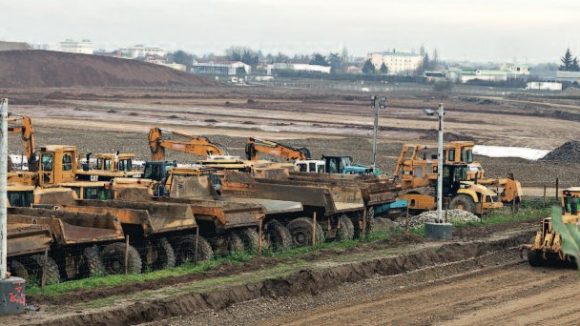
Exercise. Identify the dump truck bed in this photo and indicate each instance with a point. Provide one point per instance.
(271, 206)
(26, 238)
(72, 227)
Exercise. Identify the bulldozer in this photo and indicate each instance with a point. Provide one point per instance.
(417, 176)
(546, 247)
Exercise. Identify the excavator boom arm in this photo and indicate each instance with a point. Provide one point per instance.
(255, 146)
(197, 145)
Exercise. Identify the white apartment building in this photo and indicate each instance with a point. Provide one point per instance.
(84, 46)
(398, 63)
(142, 51)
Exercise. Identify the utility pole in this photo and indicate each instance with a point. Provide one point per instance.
(376, 104)
(12, 297)
(3, 195)
(440, 114)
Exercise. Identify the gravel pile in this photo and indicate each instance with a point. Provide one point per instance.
(569, 152)
(453, 216)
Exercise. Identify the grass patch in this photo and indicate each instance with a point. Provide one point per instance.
(524, 215)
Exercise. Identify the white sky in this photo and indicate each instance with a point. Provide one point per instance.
(478, 30)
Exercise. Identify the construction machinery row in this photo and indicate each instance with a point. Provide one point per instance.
(69, 219)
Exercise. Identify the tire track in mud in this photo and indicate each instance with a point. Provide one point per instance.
(304, 282)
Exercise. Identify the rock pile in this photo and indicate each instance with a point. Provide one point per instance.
(569, 153)
(453, 216)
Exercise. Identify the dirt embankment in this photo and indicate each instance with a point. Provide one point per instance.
(308, 281)
(568, 152)
(32, 68)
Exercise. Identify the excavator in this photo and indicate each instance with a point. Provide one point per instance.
(23, 126)
(160, 140)
(255, 146)
(546, 248)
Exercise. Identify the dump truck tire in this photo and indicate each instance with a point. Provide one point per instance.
(462, 202)
(17, 269)
(165, 254)
(184, 248)
(301, 231)
(92, 263)
(345, 230)
(52, 273)
(235, 243)
(250, 238)
(113, 257)
(535, 258)
(278, 235)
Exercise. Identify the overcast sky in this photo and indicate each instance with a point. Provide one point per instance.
(478, 30)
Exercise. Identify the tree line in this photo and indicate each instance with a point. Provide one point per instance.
(569, 62)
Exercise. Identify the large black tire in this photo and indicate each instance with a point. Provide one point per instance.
(17, 269)
(345, 229)
(535, 258)
(235, 243)
(250, 238)
(92, 264)
(52, 275)
(278, 235)
(164, 253)
(463, 202)
(301, 232)
(113, 257)
(184, 248)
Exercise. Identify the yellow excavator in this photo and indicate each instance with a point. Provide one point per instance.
(160, 140)
(546, 248)
(23, 126)
(256, 146)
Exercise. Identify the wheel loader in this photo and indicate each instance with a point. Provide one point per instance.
(546, 248)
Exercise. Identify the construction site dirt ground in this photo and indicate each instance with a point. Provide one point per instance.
(494, 287)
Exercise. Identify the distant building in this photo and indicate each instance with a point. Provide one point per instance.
(142, 51)
(544, 86)
(176, 66)
(398, 63)
(569, 76)
(515, 70)
(7, 46)
(221, 68)
(71, 46)
(297, 67)
(484, 75)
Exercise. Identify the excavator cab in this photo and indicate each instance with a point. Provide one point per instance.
(158, 170)
(57, 164)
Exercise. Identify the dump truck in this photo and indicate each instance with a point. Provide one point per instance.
(546, 247)
(81, 242)
(337, 207)
(223, 220)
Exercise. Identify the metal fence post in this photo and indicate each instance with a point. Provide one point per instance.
(314, 229)
(127, 254)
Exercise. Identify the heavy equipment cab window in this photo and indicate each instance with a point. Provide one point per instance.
(311, 167)
(67, 162)
(451, 155)
(467, 156)
(47, 162)
(125, 165)
(418, 172)
(302, 167)
(97, 193)
(20, 198)
(320, 169)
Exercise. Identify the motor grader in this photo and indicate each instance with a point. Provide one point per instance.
(546, 248)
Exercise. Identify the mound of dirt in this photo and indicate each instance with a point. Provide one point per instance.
(569, 153)
(34, 68)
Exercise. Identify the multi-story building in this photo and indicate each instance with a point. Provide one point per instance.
(398, 63)
(142, 51)
(84, 46)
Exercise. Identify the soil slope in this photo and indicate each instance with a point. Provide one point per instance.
(30, 68)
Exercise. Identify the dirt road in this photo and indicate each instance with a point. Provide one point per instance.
(499, 295)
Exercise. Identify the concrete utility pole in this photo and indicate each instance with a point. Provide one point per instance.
(440, 114)
(3, 195)
(376, 104)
